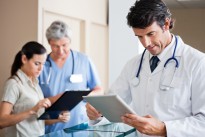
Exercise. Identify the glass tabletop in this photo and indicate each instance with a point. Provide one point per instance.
(84, 130)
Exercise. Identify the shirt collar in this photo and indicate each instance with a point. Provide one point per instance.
(25, 79)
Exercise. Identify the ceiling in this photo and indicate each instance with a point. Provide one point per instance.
(185, 3)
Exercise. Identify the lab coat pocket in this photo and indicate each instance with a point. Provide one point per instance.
(170, 78)
(166, 98)
(168, 95)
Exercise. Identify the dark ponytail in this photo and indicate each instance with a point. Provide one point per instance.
(17, 63)
(29, 49)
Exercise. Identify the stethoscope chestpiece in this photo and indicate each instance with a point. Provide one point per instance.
(135, 81)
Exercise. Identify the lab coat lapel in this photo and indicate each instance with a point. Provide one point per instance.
(180, 48)
(146, 64)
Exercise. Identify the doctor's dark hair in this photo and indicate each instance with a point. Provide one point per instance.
(29, 49)
(58, 30)
(145, 12)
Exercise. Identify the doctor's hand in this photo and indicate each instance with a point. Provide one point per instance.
(146, 125)
(64, 116)
(92, 113)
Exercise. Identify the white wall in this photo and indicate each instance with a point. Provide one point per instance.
(123, 45)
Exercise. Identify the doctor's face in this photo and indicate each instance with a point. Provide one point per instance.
(154, 38)
(60, 47)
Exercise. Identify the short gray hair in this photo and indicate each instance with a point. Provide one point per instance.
(58, 30)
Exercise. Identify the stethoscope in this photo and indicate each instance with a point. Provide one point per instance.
(50, 66)
(136, 80)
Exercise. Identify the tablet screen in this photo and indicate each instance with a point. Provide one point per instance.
(110, 106)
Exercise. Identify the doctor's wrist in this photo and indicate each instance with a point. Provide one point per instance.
(163, 130)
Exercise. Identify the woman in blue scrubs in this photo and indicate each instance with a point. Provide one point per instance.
(66, 69)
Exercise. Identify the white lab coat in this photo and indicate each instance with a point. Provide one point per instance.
(182, 107)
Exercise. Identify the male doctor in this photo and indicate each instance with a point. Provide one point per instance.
(164, 85)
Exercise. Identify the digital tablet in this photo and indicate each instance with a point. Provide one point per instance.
(67, 101)
(110, 106)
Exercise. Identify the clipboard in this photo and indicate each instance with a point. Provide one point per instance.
(110, 106)
(66, 102)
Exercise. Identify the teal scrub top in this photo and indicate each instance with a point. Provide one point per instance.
(59, 82)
